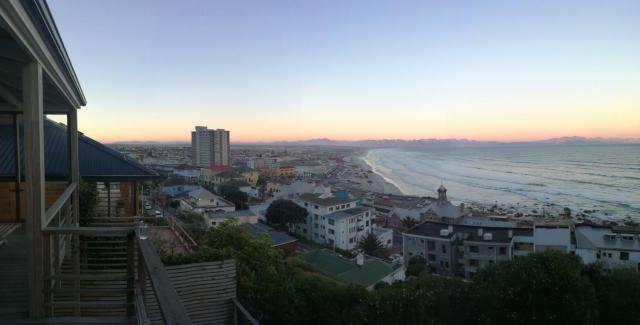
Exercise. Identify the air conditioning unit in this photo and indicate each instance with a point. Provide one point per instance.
(487, 236)
(444, 232)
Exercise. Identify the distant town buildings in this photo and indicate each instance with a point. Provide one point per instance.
(210, 147)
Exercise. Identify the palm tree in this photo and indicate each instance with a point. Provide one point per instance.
(408, 222)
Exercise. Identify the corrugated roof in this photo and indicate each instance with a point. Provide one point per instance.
(276, 237)
(370, 273)
(97, 161)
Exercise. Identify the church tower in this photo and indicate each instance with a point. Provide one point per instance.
(442, 195)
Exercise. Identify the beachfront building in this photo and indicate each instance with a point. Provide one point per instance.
(443, 210)
(462, 249)
(334, 221)
(210, 147)
(552, 237)
(614, 247)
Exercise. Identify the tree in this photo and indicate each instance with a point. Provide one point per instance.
(370, 243)
(417, 265)
(544, 288)
(282, 212)
(566, 212)
(233, 193)
(408, 222)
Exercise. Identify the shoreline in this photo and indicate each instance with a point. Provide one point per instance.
(379, 183)
(532, 209)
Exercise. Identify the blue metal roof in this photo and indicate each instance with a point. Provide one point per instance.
(277, 237)
(97, 161)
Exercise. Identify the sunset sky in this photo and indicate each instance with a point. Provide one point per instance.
(291, 70)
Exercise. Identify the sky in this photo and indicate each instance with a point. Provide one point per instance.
(352, 70)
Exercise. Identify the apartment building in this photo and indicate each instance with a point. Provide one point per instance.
(462, 249)
(614, 247)
(335, 221)
(210, 147)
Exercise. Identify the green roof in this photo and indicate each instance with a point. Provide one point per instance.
(346, 270)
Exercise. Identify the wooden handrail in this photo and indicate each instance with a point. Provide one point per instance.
(245, 314)
(169, 302)
(90, 231)
(57, 205)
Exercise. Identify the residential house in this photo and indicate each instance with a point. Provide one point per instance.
(202, 201)
(214, 218)
(279, 239)
(176, 186)
(366, 272)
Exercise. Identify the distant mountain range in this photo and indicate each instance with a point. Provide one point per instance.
(445, 142)
(404, 143)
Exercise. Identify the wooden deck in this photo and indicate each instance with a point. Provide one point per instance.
(13, 277)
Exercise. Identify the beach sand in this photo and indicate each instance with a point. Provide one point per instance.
(378, 183)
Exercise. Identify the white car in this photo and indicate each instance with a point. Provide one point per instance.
(147, 206)
(158, 214)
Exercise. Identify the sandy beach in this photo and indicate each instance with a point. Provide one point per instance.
(373, 182)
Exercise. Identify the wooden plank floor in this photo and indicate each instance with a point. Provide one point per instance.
(13, 277)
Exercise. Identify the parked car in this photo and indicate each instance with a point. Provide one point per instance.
(147, 206)
(158, 214)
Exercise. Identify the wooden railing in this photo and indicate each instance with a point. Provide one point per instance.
(183, 236)
(242, 316)
(171, 308)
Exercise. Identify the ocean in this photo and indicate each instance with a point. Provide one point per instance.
(602, 181)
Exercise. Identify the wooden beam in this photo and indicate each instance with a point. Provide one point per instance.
(16, 153)
(34, 179)
(74, 178)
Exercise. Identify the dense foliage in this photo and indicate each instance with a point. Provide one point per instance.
(371, 245)
(416, 266)
(233, 194)
(282, 212)
(547, 288)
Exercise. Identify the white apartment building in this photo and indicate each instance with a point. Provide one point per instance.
(615, 247)
(210, 147)
(334, 221)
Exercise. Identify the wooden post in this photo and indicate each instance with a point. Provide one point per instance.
(34, 180)
(16, 129)
(74, 177)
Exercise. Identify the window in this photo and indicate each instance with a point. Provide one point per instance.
(624, 256)
(350, 240)
(431, 245)
(349, 205)
(332, 222)
(367, 223)
(473, 249)
(421, 241)
(330, 209)
(315, 225)
(388, 241)
(331, 231)
(474, 263)
(431, 257)
(306, 204)
(444, 249)
(342, 206)
(503, 250)
(315, 207)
